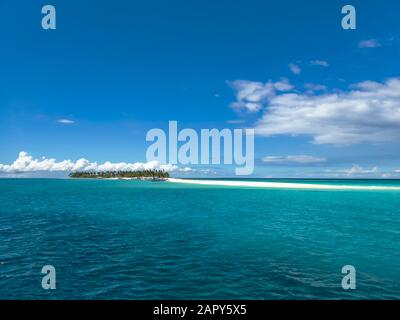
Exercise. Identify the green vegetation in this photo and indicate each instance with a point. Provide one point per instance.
(144, 174)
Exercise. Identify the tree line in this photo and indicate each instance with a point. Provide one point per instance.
(155, 174)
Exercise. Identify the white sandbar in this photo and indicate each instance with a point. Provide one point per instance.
(278, 185)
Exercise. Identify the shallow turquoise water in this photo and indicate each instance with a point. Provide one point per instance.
(158, 240)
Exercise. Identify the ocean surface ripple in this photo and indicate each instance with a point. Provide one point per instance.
(158, 240)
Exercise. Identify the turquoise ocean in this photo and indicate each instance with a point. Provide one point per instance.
(160, 240)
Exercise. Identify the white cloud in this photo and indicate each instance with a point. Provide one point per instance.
(371, 43)
(26, 163)
(368, 113)
(358, 170)
(389, 175)
(296, 159)
(236, 121)
(65, 121)
(251, 95)
(295, 68)
(315, 87)
(320, 63)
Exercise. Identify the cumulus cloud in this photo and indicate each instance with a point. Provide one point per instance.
(356, 169)
(369, 112)
(251, 95)
(320, 63)
(296, 159)
(25, 163)
(66, 121)
(295, 68)
(370, 43)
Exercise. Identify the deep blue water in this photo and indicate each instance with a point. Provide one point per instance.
(158, 240)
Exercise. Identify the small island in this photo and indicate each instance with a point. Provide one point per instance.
(153, 175)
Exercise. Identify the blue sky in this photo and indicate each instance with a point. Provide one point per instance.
(115, 69)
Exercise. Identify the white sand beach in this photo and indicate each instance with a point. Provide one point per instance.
(278, 185)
